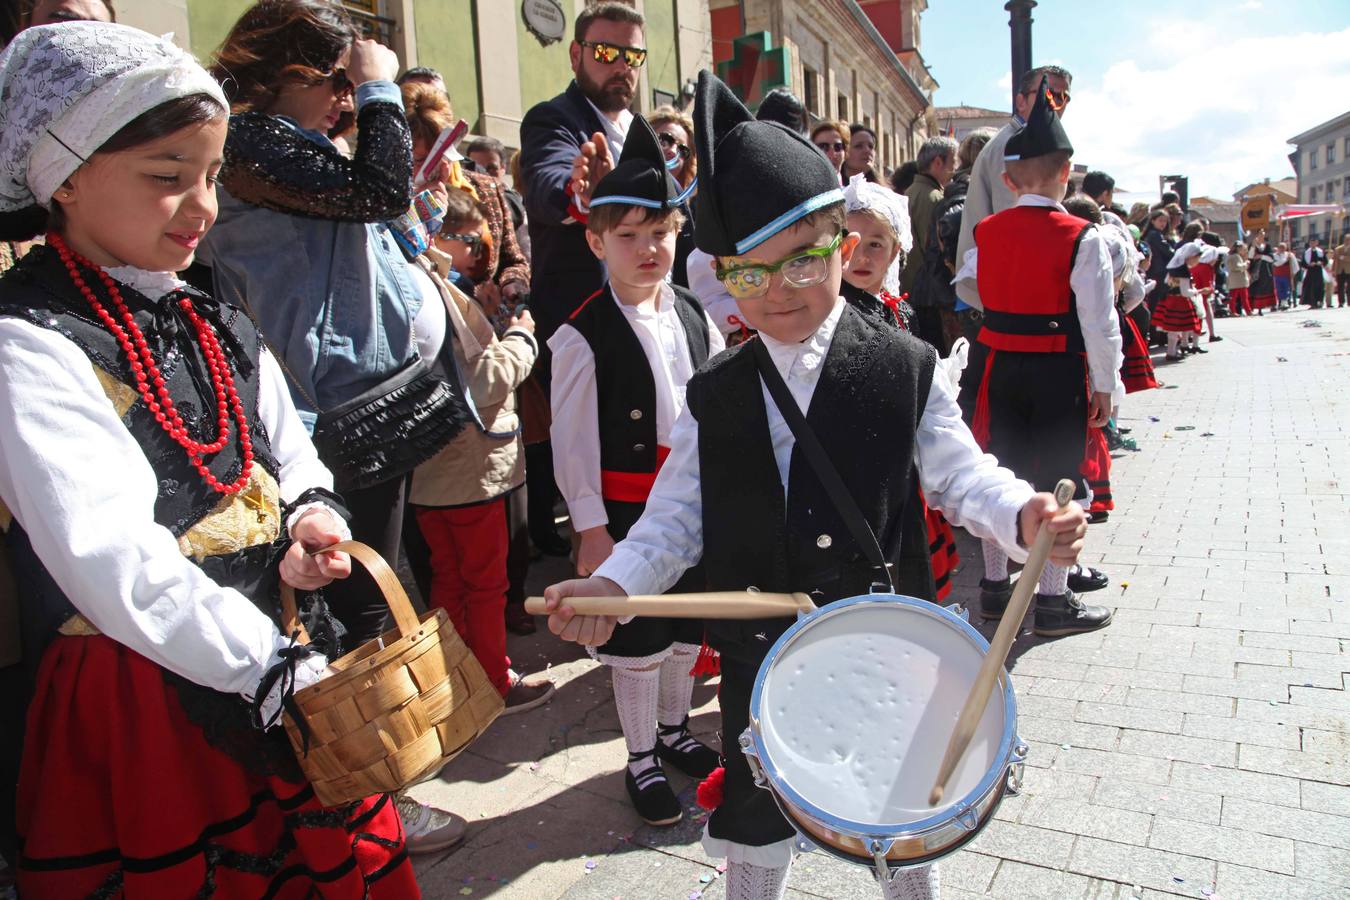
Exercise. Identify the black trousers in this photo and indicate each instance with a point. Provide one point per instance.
(748, 814)
(377, 520)
(542, 490)
(1342, 287)
(1038, 415)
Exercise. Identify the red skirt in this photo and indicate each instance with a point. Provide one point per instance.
(1175, 314)
(120, 795)
(1202, 277)
(1096, 470)
(1136, 372)
(1264, 301)
(942, 550)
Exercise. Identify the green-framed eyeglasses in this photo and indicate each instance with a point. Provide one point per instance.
(608, 54)
(807, 268)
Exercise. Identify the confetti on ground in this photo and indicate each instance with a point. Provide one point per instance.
(1207, 434)
(466, 891)
(1208, 892)
(721, 868)
(1066, 746)
(1184, 428)
(530, 845)
(590, 864)
(1124, 584)
(706, 879)
(1178, 879)
(1154, 419)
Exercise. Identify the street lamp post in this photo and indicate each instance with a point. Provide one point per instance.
(1019, 21)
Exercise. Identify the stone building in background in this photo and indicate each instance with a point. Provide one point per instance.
(853, 60)
(1321, 160)
(498, 57)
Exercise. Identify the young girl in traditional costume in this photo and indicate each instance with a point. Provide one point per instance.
(880, 218)
(158, 486)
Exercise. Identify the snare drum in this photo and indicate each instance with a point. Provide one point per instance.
(850, 716)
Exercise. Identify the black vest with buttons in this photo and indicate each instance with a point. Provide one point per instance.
(626, 389)
(865, 411)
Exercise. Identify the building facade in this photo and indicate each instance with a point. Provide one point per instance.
(959, 121)
(853, 60)
(498, 57)
(1321, 160)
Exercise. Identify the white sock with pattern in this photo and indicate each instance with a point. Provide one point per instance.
(635, 698)
(746, 882)
(920, 883)
(1054, 580)
(676, 691)
(995, 561)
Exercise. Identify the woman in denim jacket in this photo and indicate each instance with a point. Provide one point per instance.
(299, 242)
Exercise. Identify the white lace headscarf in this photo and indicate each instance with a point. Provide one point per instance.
(65, 89)
(863, 194)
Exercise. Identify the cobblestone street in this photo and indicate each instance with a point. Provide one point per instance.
(1198, 747)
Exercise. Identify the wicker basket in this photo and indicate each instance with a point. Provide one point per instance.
(398, 707)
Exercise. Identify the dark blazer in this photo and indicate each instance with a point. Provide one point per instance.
(564, 272)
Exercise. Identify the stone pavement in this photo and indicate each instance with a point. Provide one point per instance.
(1198, 747)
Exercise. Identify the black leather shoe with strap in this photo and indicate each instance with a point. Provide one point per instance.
(1084, 579)
(650, 792)
(1065, 614)
(675, 745)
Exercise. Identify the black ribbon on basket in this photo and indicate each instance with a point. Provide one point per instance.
(283, 672)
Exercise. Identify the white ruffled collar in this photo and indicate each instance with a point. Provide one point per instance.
(152, 284)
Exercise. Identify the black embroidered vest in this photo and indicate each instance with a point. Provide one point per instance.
(865, 412)
(39, 290)
(625, 387)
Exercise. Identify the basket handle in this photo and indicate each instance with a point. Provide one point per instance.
(405, 617)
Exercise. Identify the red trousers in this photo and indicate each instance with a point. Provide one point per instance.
(468, 577)
(1240, 300)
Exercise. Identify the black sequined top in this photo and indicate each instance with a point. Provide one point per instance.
(271, 163)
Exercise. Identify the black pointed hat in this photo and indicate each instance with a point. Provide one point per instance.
(641, 177)
(1042, 134)
(755, 178)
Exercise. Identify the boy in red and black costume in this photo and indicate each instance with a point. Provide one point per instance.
(1054, 350)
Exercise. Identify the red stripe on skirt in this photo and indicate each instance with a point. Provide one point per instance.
(119, 791)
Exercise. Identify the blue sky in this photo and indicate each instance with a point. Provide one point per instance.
(1203, 88)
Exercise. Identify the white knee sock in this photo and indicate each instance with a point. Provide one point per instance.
(1054, 580)
(635, 697)
(747, 882)
(676, 688)
(1173, 343)
(919, 883)
(995, 561)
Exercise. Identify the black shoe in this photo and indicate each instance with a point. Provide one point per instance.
(994, 596)
(1214, 338)
(1198, 349)
(650, 793)
(1098, 517)
(1084, 579)
(550, 543)
(1124, 430)
(1066, 614)
(687, 753)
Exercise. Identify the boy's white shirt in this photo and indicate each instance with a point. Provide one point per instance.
(1094, 295)
(575, 431)
(966, 484)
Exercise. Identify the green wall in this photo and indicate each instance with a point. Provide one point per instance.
(446, 42)
(544, 71)
(663, 60)
(209, 21)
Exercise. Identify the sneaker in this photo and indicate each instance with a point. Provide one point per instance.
(1066, 614)
(994, 597)
(1084, 579)
(650, 793)
(686, 753)
(427, 829)
(527, 693)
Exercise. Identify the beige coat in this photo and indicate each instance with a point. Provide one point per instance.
(1340, 259)
(476, 466)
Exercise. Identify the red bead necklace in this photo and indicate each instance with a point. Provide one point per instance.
(146, 371)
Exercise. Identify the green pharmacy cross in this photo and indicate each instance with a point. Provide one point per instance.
(755, 67)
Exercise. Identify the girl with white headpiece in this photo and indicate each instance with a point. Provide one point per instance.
(157, 487)
(880, 218)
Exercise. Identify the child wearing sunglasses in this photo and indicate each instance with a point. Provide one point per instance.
(620, 366)
(734, 497)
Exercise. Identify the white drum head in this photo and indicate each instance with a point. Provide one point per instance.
(856, 711)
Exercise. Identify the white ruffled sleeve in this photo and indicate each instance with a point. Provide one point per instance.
(84, 492)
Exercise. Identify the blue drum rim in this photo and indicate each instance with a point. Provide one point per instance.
(884, 831)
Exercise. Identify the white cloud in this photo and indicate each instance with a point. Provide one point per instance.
(1251, 4)
(1211, 109)
(1004, 82)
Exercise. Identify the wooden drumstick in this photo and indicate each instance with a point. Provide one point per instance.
(710, 605)
(998, 650)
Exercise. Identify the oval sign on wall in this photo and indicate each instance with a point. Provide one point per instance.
(545, 20)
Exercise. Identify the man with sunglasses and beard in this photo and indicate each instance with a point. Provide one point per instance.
(584, 126)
